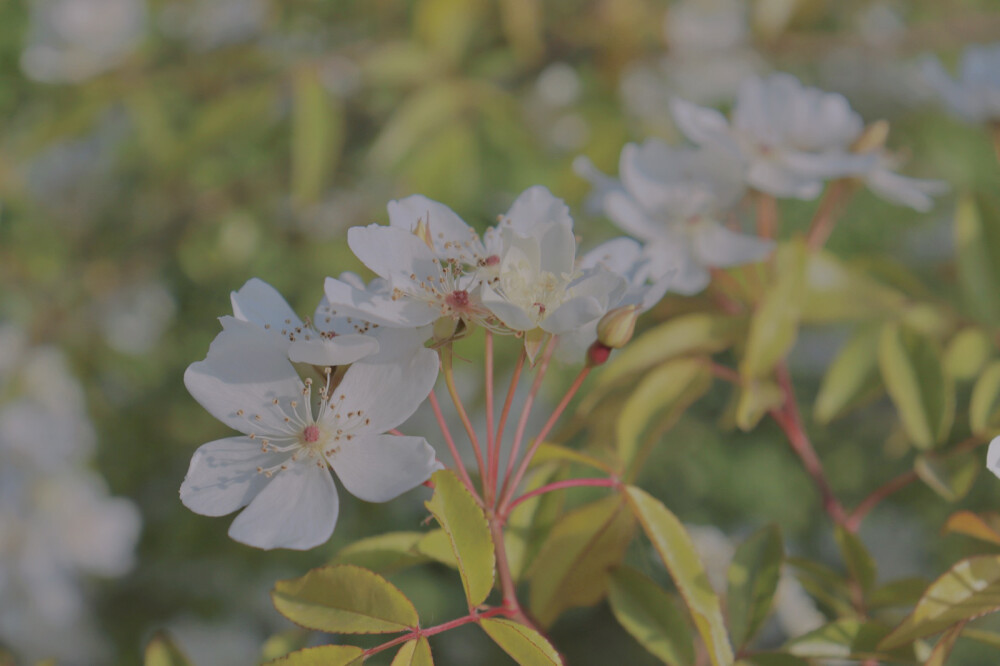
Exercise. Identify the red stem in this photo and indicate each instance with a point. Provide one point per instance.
(559, 485)
(767, 215)
(490, 472)
(417, 632)
(830, 207)
(449, 380)
(511, 488)
(446, 433)
(790, 421)
(498, 439)
(522, 424)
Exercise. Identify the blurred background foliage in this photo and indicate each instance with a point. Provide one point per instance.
(156, 154)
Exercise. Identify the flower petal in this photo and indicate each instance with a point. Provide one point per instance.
(452, 237)
(717, 246)
(378, 468)
(377, 307)
(259, 303)
(993, 456)
(245, 370)
(388, 392)
(630, 217)
(297, 509)
(223, 475)
(701, 125)
(912, 192)
(340, 350)
(392, 253)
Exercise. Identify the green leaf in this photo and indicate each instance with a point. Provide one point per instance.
(942, 649)
(698, 333)
(756, 398)
(436, 545)
(465, 524)
(317, 136)
(384, 553)
(524, 645)
(950, 476)
(824, 584)
(775, 323)
(573, 567)
(969, 589)
(918, 384)
(344, 599)
(967, 353)
(859, 561)
(421, 115)
(984, 406)
(753, 579)
(985, 527)
(852, 377)
(324, 655)
(529, 521)
(162, 651)
(414, 653)
(772, 659)
(901, 592)
(978, 259)
(838, 292)
(990, 638)
(847, 638)
(648, 613)
(662, 395)
(281, 644)
(681, 559)
(548, 452)
(447, 26)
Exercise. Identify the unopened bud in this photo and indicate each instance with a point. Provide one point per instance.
(872, 138)
(423, 232)
(616, 327)
(597, 354)
(444, 328)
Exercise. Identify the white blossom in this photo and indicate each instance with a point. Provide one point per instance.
(279, 468)
(975, 94)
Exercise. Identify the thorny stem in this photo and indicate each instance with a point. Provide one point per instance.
(449, 380)
(767, 215)
(559, 485)
(830, 207)
(787, 416)
(489, 473)
(417, 632)
(522, 424)
(449, 440)
(498, 439)
(543, 433)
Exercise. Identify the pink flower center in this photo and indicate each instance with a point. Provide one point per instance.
(311, 434)
(492, 260)
(458, 300)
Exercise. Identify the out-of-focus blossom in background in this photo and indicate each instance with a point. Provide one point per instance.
(58, 524)
(208, 24)
(975, 94)
(72, 40)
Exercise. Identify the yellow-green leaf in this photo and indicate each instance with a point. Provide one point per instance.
(853, 375)
(548, 452)
(756, 398)
(436, 545)
(344, 599)
(465, 524)
(317, 136)
(447, 26)
(978, 259)
(985, 527)
(524, 645)
(753, 580)
(681, 559)
(162, 651)
(529, 521)
(324, 655)
(775, 323)
(384, 553)
(648, 613)
(661, 397)
(967, 353)
(846, 638)
(900, 592)
(969, 589)
(421, 115)
(984, 406)
(699, 332)
(572, 568)
(918, 384)
(859, 561)
(414, 653)
(281, 644)
(838, 292)
(949, 476)
(942, 649)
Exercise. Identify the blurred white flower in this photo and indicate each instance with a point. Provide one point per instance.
(72, 40)
(975, 94)
(558, 85)
(57, 523)
(209, 24)
(133, 318)
(672, 199)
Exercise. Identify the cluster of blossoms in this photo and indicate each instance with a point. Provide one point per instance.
(373, 346)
